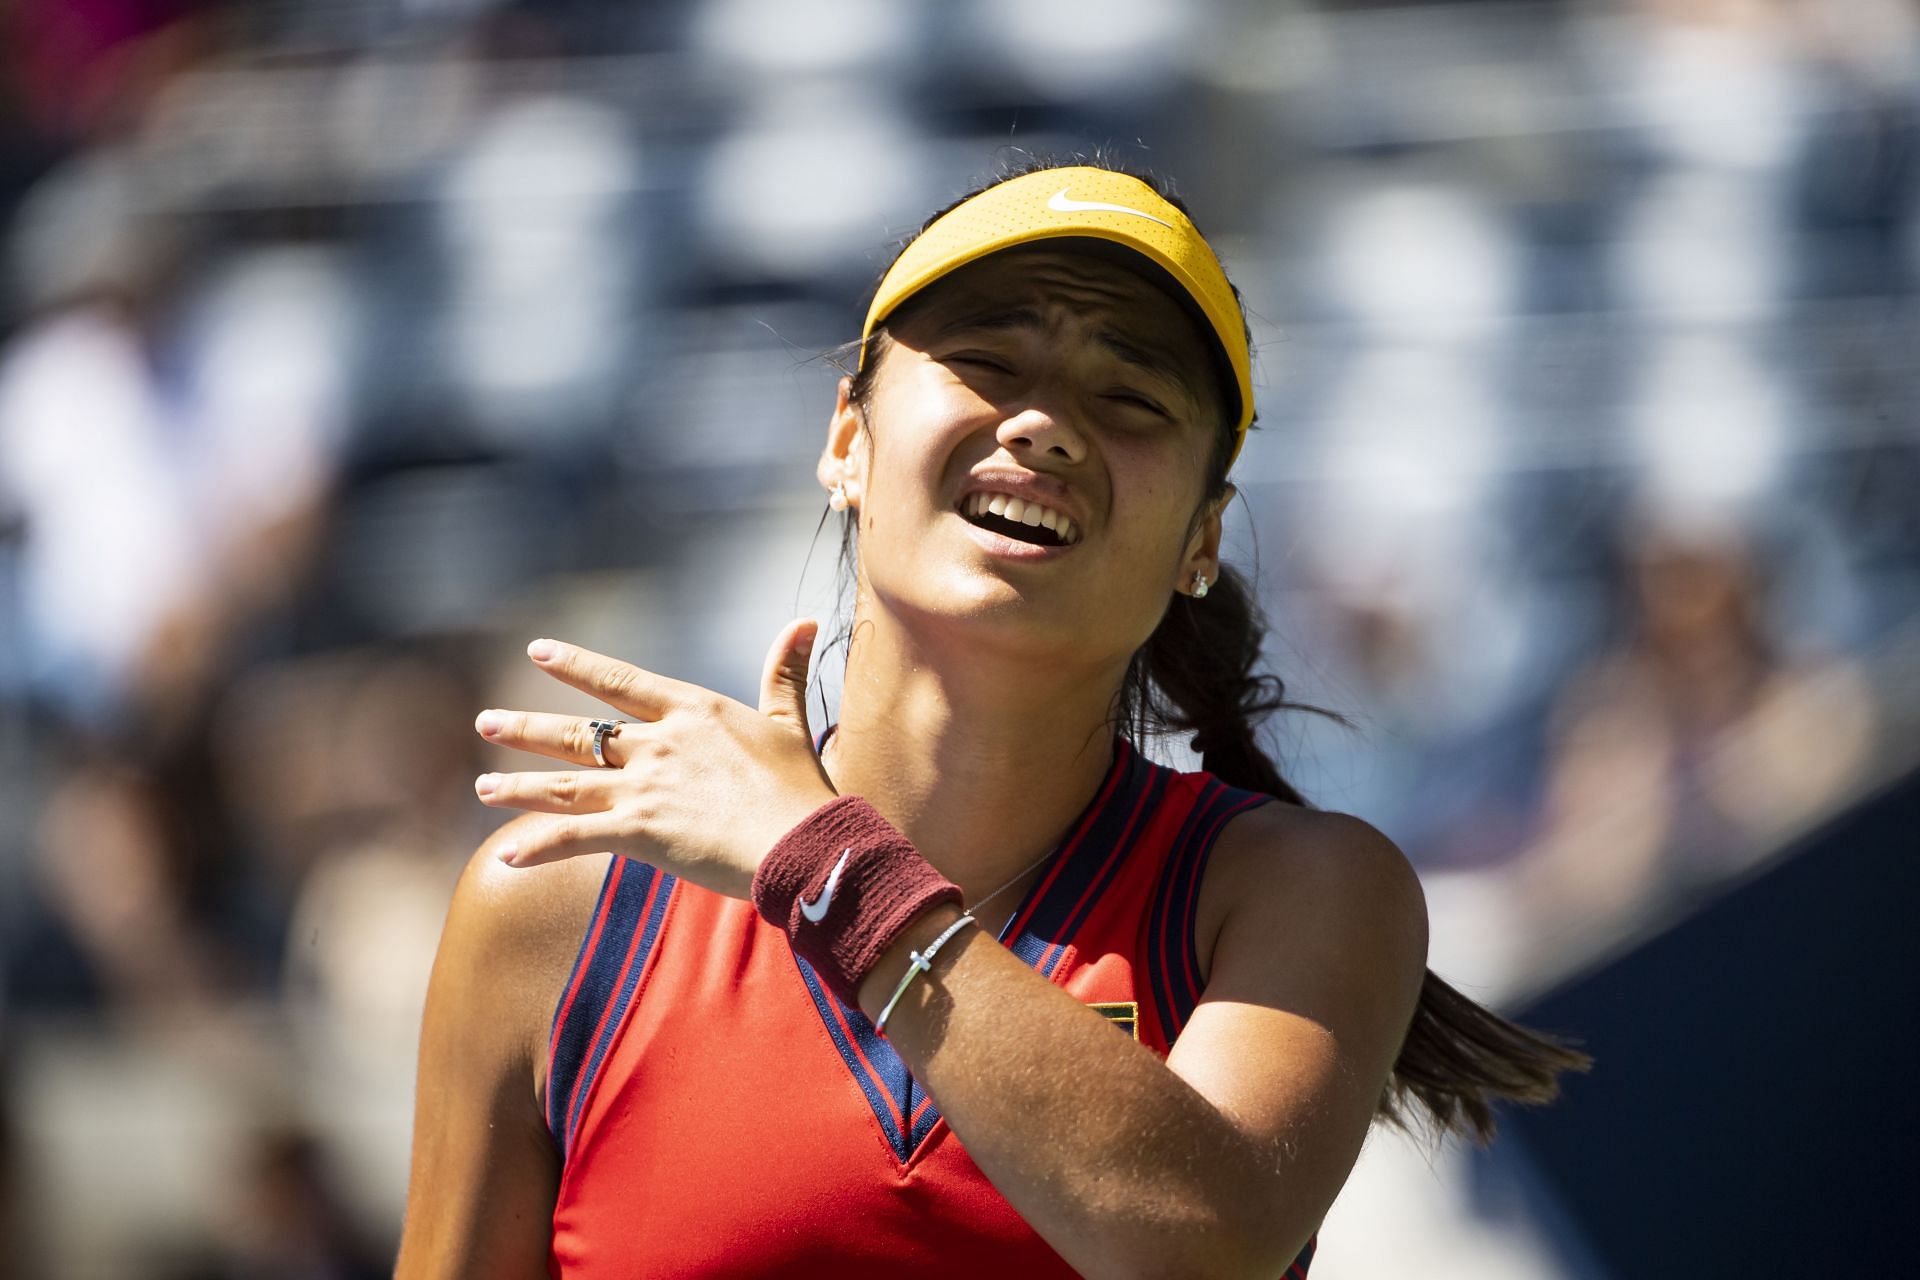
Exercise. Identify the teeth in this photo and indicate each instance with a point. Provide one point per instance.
(1020, 511)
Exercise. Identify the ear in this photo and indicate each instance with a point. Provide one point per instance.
(1203, 549)
(841, 462)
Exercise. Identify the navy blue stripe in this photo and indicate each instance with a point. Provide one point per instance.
(917, 1129)
(924, 1125)
(629, 898)
(1048, 924)
(1178, 939)
(1126, 814)
(894, 1078)
(881, 1075)
(1161, 938)
(1096, 861)
(570, 1046)
(1123, 758)
(875, 1090)
(1185, 902)
(1233, 800)
(1140, 811)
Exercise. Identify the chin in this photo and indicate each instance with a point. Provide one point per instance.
(987, 613)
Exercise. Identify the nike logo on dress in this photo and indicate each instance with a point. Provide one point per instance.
(816, 911)
(1060, 204)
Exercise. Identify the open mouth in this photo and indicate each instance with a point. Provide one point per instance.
(1019, 520)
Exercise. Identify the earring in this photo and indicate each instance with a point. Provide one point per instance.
(838, 498)
(1199, 586)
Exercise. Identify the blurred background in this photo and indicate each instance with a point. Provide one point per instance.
(346, 346)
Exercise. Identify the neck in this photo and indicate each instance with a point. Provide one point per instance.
(982, 759)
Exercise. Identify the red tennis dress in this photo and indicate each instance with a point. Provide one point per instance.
(720, 1113)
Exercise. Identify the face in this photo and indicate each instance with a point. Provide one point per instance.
(1053, 377)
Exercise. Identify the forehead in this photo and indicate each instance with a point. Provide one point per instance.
(1087, 280)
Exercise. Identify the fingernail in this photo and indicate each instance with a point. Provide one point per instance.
(489, 723)
(486, 783)
(541, 650)
(807, 638)
(507, 852)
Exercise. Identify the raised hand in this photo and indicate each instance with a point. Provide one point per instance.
(697, 784)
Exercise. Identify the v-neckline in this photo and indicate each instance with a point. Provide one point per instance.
(1041, 931)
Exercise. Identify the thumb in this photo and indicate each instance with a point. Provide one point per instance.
(783, 682)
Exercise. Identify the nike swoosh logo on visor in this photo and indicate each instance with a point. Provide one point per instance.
(1061, 204)
(816, 911)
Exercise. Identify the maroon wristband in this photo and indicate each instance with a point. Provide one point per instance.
(843, 885)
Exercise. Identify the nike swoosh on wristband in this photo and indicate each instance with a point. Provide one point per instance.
(1059, 203)
(816, 911)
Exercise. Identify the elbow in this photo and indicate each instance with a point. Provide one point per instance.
(1261, 1249)
(1256, 1259)
(1218, 1249)
(1202, 1263)
(1236, 1260)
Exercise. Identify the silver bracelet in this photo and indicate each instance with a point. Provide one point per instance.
(922, 961)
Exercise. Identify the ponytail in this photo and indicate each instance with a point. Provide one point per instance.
(1197, 673)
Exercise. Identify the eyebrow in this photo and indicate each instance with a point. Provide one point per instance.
(1126, 350)
(993, 319)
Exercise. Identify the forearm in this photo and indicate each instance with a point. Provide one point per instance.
(1118, 1163)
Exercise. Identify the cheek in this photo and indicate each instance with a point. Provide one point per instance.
(919, 432)
(1154, 502)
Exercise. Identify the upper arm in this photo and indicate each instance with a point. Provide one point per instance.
(1315, 971)
(485, 1173)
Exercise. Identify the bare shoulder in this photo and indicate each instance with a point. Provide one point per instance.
(529, 907)
(484, 1175)
(513, 933)
(1313, 873)
(1314, 942)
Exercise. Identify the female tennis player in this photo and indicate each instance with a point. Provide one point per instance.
(966, 984)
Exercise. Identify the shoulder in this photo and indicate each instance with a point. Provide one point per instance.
(484, 1172)
(1313, 977)
(509, 944)
(526, 907)
(1316, 878)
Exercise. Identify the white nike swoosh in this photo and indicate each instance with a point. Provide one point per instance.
(1060, 204)
(816, 911)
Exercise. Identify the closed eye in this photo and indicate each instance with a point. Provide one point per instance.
(979, 360)
(1145, 402)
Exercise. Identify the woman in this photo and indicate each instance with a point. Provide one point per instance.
(1134, 1021)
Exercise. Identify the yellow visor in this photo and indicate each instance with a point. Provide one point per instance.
(1095, 203)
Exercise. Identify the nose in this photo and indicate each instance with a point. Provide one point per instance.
(1044, 431)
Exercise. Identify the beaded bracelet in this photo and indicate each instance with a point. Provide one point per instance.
(922, 961)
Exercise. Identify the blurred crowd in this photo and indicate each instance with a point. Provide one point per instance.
(346, 346)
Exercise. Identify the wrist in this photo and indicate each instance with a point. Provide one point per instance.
(781, 818)
(881, 981)
(844, 885)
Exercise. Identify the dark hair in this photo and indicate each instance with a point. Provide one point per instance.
(1197, 673)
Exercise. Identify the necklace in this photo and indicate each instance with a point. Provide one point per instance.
(975, 908)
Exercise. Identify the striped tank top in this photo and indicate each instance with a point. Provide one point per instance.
(719, 1112)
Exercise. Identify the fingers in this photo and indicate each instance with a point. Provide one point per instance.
(564, 791)
(783, 680)
(552, 839)
(621, 685)
(568, 738)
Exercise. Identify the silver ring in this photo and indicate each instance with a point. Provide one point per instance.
(602, 730)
